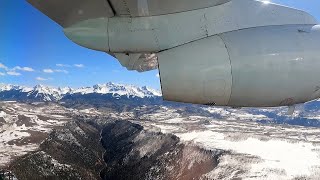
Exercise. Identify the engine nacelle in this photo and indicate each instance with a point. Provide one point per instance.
(256, 67)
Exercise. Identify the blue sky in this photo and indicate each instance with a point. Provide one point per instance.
(30, 39)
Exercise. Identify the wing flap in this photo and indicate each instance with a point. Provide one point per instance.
(68, 12)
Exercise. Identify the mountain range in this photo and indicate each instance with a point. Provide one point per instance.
(50, 94)
(126, 98)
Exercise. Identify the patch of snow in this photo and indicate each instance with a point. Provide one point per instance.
(167, 129)
(276, 154)
(2, 114)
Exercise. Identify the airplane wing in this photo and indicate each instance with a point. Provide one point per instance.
(135, 31)
(68, 12)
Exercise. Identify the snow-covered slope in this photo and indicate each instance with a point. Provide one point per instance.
(252, 150)
(45, 93)
(23, 127)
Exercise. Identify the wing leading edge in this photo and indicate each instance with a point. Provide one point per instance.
(69, 12)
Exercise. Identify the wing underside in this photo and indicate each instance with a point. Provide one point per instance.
(69, 12)
(136, 8)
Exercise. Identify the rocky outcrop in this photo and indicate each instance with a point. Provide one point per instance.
(73, 152)
(135, 153)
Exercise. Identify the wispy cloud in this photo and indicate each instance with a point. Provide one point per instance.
(2, 66)
(50, 71)
(2, 74)
(79, 65)
(63, 65)
(27, 69)
(13, 73)
(61, 71)
(41, 79)
(68, 65)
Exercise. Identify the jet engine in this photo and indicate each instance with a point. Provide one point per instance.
(256, 67)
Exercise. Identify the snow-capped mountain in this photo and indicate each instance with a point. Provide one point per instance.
(118, 90)
(48, 94)
(45, 93)
(9, 87)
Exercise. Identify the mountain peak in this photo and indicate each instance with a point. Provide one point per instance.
(40, 86)
(44, 89)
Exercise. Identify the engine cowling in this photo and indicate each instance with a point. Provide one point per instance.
(256, 67)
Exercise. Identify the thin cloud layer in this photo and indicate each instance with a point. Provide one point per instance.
(69, 66)
(2, 66)
(19, 70)
(62, 71)
(78, 65)
(13, 73)
(50, 71)
(63, 65)
(26, 69)
(41, 79)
